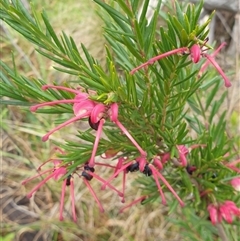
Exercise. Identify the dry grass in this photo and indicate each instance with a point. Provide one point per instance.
(23, 152)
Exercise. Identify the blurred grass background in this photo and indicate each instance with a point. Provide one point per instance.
(23, 151)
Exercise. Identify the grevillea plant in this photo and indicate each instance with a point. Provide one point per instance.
(156, 104)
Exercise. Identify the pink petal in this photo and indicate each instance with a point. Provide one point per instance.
(113, 112)
(97, 113)
(59, 172)
(142, 162)
(235, 182)
(157, 163)
(213, 213)
(195, 52)
(85, 106)
(165, 157)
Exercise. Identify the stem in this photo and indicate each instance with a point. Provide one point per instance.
(201, 107)
(221, 232)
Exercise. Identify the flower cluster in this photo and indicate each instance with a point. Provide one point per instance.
(86, 173)
(154, 166)
(97, 113)
(226, 211)
(59, 171)
(196, 53)
(84, 107)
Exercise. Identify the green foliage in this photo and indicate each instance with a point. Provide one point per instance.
(162, 105)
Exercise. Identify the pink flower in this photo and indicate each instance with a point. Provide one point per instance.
(157, 175)
(125, 168)
(182, 151)
(213, 212)
(157, 162)
(235, 182)
(165, 157)
(213, 55)
(113, 113)
(68, 182)
(225, 211)
(56, 173)
(82, 107)
(161, 56)
(88, 174)
(196, 53)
